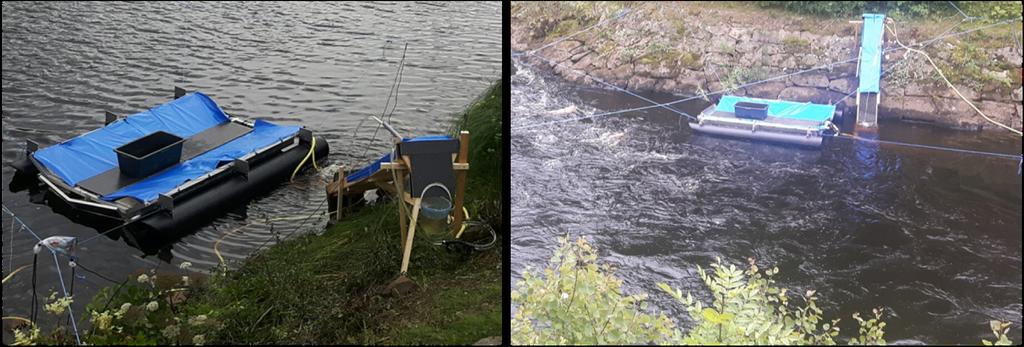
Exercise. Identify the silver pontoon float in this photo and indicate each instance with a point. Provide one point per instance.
(767, 120)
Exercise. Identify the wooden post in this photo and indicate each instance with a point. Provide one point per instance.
(342, 186)
(400, 187)
(412, 234)
(460, 182)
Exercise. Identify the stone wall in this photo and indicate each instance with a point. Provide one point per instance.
(716, 49)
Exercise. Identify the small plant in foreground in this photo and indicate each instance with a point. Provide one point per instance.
(579, 302)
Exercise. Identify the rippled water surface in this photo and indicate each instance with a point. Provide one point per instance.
(935, 238)
(323, 65)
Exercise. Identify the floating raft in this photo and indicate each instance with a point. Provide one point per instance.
(768, 120)
(173, 167)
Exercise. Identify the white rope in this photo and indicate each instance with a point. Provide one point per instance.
(71, 313)
(950, 84)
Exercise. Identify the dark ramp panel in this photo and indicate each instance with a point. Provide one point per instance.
(112, 180)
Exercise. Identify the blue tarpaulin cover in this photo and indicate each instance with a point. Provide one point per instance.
(781, 108)
(871, 53)
(372, 168)
(262, 135)
(90, 154)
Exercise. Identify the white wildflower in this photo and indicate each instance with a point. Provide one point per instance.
(101, 321)
(143, 278)
(185, 265)
(58, 306)
(153, 306)
(199, 340)
(565, 296)
(21, 339)
(124, 310)
(197, 320)
(171, 332)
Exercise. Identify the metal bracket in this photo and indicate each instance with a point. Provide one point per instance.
(241, 167)
(165, 202)
(110, 118)
(306, 135)
(179, 92)
(31, 147)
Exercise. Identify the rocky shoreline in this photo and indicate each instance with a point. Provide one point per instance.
(688, 50)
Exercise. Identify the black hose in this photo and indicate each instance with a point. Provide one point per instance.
(35, 305)
(454, 244)
(72, 293)
(86, 269)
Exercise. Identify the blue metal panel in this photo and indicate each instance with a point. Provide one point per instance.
(871, 53)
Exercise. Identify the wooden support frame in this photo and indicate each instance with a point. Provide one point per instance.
(460, 182)
(392, 178)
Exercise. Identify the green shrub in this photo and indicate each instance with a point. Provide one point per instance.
(741, 75)
(483, 120)
(578, 302)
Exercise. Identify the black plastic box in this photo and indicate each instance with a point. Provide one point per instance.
(750, 110)
(149, 154)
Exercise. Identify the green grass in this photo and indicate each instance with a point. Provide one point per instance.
(325, 289)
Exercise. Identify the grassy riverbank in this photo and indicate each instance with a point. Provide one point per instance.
(325, 289)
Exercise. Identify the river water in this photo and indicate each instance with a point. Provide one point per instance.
(323, 65)
(932, 237)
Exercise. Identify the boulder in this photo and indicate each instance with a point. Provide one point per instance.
(622, 73)
(747, 46)
(721, 44)
(806, 94)
(642, 69)
(662, 71)
(809, 60)
(688, 81)
(810, 79)
(767, 90)
(917, 108)
(665, 85)
(841, 85)
(998, 111)
(583, 63)
(639, 83)
(770, 49)
(603, 74)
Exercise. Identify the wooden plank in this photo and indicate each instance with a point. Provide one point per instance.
(412, 234)
(460, 181)
(400, 187)
(396, 166)
(343, 180)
